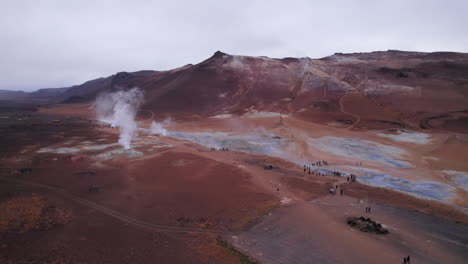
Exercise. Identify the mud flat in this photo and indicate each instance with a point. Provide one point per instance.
(460, 178)
(421, 189)
(254, 143)
(362, 149)
(408, 136)
(356, 148)
(99, 150)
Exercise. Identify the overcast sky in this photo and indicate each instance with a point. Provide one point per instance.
(62, 43)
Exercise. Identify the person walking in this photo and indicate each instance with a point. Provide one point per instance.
(341, 192)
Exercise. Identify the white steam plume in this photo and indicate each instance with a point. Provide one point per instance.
(119, 109)
(158, 128)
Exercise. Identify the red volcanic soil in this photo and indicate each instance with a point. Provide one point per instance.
(450, 155)
(198, 188)
(94, 237)
(370, 113)
(83, 110)
(168, 207)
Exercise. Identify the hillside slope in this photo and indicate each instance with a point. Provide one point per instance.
(373, 90)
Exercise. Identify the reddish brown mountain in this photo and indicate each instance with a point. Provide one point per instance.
(378, 89)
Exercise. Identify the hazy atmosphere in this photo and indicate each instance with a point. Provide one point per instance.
(47, 44)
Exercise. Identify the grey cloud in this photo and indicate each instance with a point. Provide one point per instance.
(61, 43)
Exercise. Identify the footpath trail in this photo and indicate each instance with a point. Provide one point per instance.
(113, 213)
(363, 83)
(348, 113)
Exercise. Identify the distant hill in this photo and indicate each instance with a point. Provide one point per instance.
(382, 89)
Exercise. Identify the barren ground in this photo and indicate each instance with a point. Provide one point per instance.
(169, 198)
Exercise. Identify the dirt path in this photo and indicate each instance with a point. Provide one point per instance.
(342, 110)
(363, 82)
(112, 213)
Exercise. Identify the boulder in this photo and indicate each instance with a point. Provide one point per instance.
(366, 225)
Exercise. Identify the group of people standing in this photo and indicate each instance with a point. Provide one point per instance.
(351, 178)
(307, 168)
(223, 149)
(320, 163)
(337, 173)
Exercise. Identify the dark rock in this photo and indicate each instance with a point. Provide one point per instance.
(93, 188)
(366, 225)
(87, 173)
(185, 220)
(25, 170)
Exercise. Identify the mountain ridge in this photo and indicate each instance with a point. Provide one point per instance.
(396, 87)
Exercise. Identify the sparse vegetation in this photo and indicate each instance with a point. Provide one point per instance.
(243, 259)
(259, 213)
(267, 209)
(21, 214)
